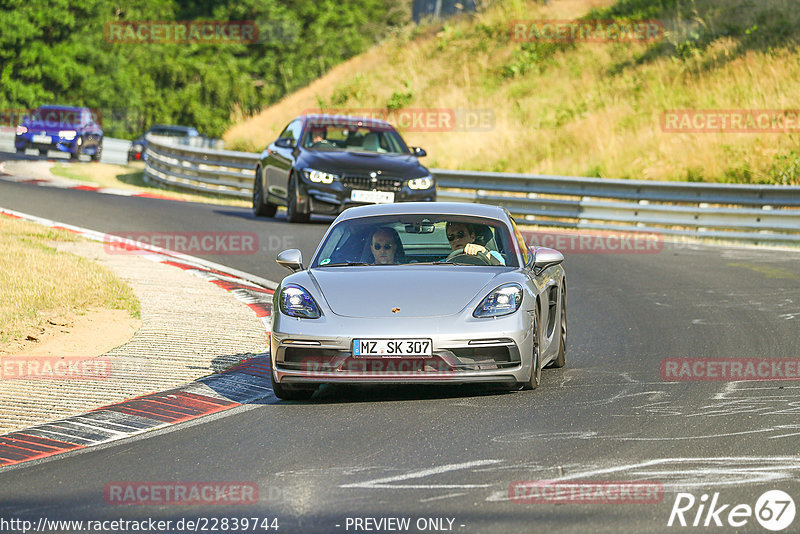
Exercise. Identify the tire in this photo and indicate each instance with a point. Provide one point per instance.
(561, 359)
(292, 211)
(289, 392)
(97, 155)
(536, 363)
(261, 208)
(42, 151)
(78, 149)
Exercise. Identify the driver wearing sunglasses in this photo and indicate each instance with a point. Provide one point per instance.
(386, 246)
(461, 236)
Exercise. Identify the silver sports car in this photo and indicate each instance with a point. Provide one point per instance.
(419, 293)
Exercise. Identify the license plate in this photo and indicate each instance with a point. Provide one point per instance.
(42, 139)
(376, 197)
(392, 348)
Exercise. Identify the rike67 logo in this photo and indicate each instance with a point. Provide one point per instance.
(774, 510)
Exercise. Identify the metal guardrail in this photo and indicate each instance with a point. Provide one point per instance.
(222, 172)
(753, 213)
(194, 141)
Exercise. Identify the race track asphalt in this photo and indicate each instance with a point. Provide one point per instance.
(453, 452)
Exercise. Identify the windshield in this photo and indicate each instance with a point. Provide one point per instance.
(353, 136)
(54, 117)
(417, 239)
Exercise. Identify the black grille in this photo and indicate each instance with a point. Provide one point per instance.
(367, 183)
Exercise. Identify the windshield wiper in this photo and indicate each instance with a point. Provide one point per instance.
(344, 264)
(433, 263)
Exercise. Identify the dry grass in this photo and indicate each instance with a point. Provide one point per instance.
(584, 109)
(131, 178)
(37, 282)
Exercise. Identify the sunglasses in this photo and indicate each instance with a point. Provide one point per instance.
(386, 246)
(458, 235)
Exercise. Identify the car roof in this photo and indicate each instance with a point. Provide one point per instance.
(415, 208)
(173, 127)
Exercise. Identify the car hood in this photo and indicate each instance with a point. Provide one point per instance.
(42, 127)
(412, 291)
(362, 163)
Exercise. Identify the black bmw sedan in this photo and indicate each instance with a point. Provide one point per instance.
(324, 164)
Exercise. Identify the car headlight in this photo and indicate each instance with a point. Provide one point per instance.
(22, 130)
(426, 182)
(320, 177)
(67, 134)
(504, 300)
(295, 301)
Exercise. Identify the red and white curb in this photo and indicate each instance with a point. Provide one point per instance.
(63, 184)
(242, 384)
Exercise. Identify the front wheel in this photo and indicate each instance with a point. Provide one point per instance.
(536, 362)
(290, 392)
(97, 155)
(561, 359)
(292, 208)
(261, 208)
(78, 149)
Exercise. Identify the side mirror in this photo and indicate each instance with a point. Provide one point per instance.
(546, 257)
(419, 152)
(292, 259)
(284, 142)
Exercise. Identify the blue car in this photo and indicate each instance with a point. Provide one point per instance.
(67, 129)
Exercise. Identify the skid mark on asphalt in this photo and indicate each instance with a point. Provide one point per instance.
(678, 473)
(396, 482)
(683, 473)
(733, 399)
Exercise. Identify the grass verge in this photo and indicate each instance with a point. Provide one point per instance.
(37, 281)
(131, 177)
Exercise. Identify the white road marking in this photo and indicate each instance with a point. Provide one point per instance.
(386, 483)
(440, 497)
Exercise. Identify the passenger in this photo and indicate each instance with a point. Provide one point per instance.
(462, 236)
(386, 246)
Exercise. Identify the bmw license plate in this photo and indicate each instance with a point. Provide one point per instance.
(392, 348)
(376, 197)
(45, 139)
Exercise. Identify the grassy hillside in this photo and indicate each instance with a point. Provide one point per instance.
(590, 109)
